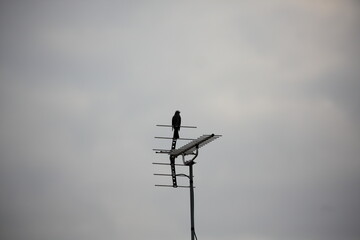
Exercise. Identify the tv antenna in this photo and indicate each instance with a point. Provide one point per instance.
(189, 149)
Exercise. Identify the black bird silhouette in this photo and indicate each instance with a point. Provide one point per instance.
(176, 123)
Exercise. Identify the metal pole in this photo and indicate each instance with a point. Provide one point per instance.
(192, 201)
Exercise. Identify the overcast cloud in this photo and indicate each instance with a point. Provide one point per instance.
(83, 84)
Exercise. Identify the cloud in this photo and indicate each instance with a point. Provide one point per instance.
(83, 85)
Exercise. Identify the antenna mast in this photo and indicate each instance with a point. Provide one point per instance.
(192, 149)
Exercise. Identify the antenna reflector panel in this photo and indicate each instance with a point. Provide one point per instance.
(193, 145)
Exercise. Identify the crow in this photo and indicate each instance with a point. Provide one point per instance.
(176, 123)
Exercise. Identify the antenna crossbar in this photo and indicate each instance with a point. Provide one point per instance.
(176, 164)
(177, 139)
(160, 185)
(163, 125)
(169, 175)
(161, 151)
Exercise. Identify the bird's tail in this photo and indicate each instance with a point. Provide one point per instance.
(176, 134)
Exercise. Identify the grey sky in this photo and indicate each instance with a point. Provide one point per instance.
(83, 84)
